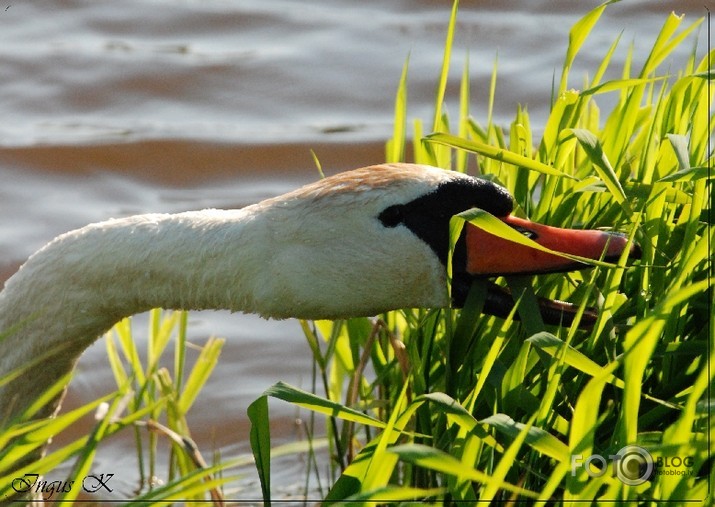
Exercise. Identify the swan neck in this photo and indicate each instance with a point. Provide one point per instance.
(80, 284)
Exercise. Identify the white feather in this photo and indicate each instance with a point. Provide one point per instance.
(318, 252)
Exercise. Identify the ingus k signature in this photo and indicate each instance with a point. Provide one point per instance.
(34, 484)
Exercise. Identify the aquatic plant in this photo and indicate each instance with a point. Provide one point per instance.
(461, 407)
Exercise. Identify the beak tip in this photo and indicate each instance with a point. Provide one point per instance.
(618, 242)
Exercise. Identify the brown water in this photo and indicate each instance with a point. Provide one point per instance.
(115, 108)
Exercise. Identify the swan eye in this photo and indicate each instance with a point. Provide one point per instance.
(392, 216)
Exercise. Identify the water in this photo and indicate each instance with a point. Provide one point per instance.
(116, 108)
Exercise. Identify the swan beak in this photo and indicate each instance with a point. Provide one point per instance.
(490, 255)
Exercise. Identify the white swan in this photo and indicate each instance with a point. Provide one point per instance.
(357, 243)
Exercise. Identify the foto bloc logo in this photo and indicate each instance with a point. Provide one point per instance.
(632, 465)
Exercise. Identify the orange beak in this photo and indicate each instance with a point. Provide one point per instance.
(490, 255)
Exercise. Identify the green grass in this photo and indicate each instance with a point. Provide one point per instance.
(463, 407)
(145, 394)
(454, 406)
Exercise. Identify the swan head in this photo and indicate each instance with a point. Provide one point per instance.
(377, 239)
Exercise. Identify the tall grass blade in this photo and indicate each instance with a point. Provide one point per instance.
(429, 457)
(396, 145)
(499, 154)
(577, 36)
(572, 357)
(260, 438)
(205, 364)
(444, 72)
(296, 396)
(594, 150)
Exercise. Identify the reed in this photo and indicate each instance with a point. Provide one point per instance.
(461, 407)
(146, 394)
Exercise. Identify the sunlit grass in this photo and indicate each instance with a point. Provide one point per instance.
(464, 407)
(146, 394)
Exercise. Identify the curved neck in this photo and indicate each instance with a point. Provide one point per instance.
(290, 257)
(80, 284)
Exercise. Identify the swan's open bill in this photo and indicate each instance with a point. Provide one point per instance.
(500, 302)
(488, 255)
